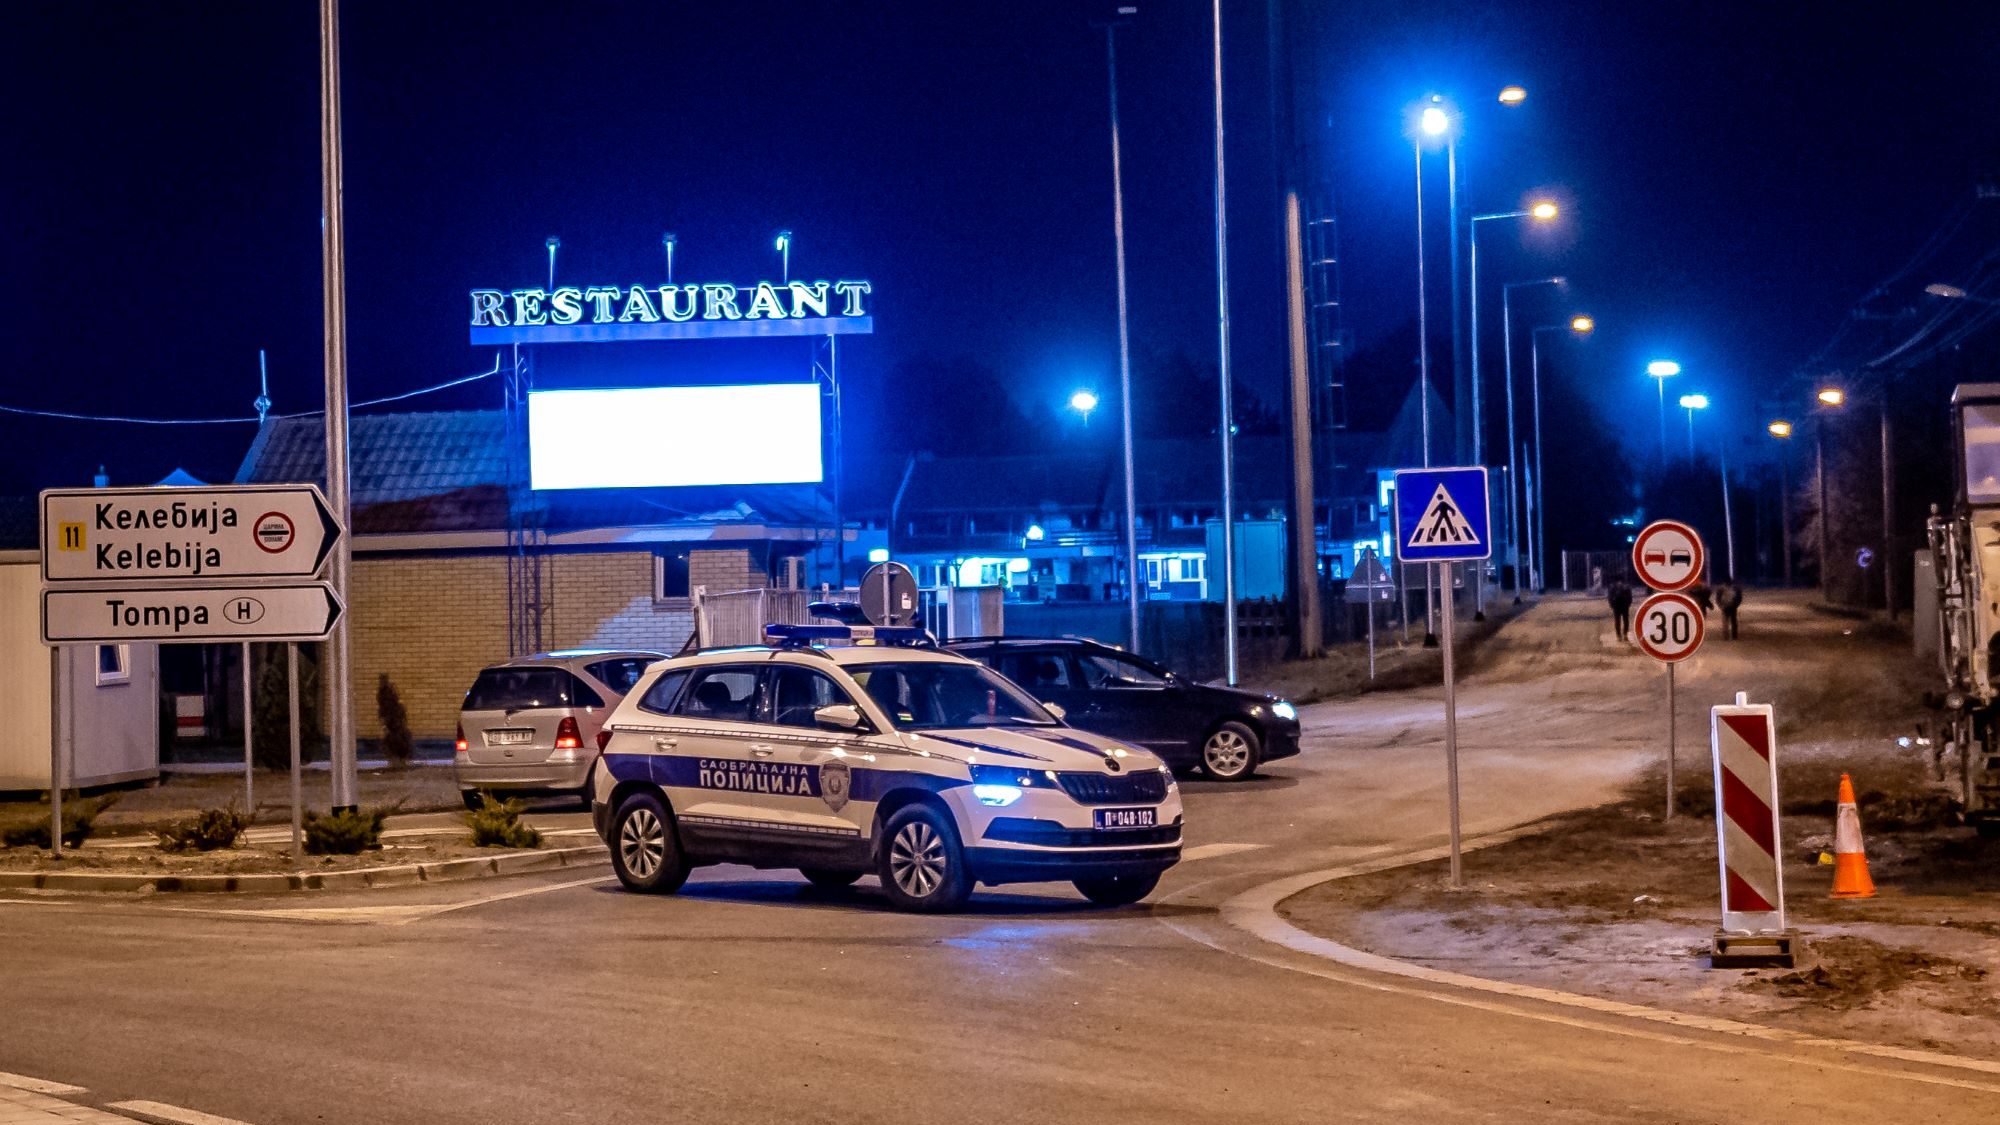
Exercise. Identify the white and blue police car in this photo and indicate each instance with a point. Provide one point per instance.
(843, 751)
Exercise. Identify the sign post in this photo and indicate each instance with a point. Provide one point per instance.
(1370, 583)
(231, 563)
(1442, 516)
(1668, 556)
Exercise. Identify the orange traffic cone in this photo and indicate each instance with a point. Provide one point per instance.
(1850, 863)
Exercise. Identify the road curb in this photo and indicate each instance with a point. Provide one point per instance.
(401, 875)
(1255, 912)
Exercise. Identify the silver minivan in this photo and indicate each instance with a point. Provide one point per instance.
(529, 727)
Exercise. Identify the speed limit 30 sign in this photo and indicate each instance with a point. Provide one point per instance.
(1669, 627)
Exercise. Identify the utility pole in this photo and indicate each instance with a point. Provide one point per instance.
(1132, 582)
(1302, 560)
(339, 666)
(1222, 330)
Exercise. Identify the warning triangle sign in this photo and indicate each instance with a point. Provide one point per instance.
(1443, 524)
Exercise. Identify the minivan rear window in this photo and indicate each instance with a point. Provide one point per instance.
(524, 689)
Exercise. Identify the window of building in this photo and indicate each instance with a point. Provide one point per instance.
(114, 664)
(670, 574)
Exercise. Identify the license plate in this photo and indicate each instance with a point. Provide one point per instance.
(509, 737)
(1127, 818)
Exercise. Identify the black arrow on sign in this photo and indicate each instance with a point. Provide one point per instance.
(329, 527)
(333, 606)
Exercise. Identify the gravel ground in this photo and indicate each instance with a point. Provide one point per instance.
(1618, 903)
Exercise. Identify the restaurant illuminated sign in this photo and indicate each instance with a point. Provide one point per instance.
(571, 313)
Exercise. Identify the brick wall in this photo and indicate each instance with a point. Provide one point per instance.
(431, 622)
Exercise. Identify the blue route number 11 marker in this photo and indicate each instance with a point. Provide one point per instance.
(1442, 517)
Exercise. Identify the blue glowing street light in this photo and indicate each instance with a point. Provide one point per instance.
(1083, 402)
(1661, 370)
(785, 254)
(1692, 403)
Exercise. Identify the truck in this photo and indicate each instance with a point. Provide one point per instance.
(1965, 552)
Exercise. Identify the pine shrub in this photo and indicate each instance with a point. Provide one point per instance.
(497, 824)
(206, 831)
(79, 821)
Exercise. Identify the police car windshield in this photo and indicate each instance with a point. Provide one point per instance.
(936, 695)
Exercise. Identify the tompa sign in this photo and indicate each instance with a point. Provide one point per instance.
(572, 313)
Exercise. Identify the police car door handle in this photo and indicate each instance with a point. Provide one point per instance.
(665, 743)
(762, 751)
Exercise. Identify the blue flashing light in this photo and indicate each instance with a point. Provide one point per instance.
(999, 796)
(878, 555)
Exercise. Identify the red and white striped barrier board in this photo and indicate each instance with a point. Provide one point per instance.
(1745, 741)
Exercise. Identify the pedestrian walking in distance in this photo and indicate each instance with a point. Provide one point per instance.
(1729, 596)
(1620, 597)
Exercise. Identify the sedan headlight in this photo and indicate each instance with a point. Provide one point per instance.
(1284, 710)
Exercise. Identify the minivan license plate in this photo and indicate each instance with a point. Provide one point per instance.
(1127, 818)
(509, 737)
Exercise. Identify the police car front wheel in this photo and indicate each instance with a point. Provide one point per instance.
(922, 865)
(644, 852)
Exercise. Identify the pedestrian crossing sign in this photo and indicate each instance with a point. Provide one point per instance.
(1442, 515)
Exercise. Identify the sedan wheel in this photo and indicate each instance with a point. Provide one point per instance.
(1230, 754)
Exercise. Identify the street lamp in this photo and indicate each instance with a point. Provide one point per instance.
(1661, 370)
(1832, 396)
(1122, 14)
(1514, 485)
(1780, 428)
(1543, 212)
(1512, 95)
(1692, 403)
(1083, 402)
(1578, 326)
(667, 242)
(785, 254)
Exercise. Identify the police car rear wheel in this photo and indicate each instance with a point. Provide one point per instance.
(1117, 890)
(644, 853)
(823, 877)
(1230, 754)
(922, 864)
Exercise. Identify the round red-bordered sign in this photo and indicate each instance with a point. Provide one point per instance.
(1668, 556)
(1668, 627)
(273, 532)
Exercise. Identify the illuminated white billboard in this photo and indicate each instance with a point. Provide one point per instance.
(663, 437)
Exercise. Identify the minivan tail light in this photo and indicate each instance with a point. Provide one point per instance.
(462, 746)
(603, 739)
(568, 737)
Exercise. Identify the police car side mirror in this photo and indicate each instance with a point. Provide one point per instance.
(1056, 710)
(838, 716)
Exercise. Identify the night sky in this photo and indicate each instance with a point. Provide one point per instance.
(1732, 181)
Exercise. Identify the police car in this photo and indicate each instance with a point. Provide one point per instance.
(843, 751)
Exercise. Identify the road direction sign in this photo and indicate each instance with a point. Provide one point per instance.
(284, 611)
(142, 535)
(1442, 515)
(1669, 627)
(1668, 556)
(1370, 581)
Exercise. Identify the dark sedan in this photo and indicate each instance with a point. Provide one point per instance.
(1226, 732)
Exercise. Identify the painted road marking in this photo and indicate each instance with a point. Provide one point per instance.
(174, 1113)
(1213, 851)
(503, 897)
(37, 1085)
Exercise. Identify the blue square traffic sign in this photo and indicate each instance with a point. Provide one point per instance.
(1442, 515)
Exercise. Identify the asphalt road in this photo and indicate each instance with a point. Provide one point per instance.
(558, 998)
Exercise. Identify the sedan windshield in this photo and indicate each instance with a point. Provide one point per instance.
(936, 695)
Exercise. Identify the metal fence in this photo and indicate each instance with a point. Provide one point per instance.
(1587, 572)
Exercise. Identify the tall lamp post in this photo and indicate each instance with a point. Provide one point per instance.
(1228, 426)
(1661, 370)
(1578, 326)
(1514, 485)
(1830, 397)
(1123, 14)
(1692, 403)
(1542, 212)
(1783, 430)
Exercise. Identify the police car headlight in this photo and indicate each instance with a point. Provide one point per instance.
(1002, 785)
(1284, 710)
